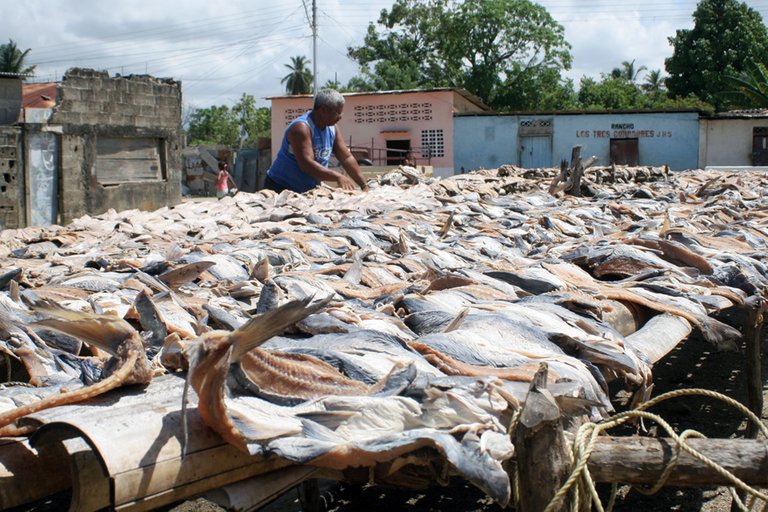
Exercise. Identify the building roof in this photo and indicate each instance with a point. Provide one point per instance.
(750, 113)
(43, 95)
(581, 112)
(462, 92)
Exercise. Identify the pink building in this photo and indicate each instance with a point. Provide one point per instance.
(384, 126)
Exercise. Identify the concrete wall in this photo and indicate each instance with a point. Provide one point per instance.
(728, 142)
(92, 105)
(665, 138)
(11, 178)
(371, 119)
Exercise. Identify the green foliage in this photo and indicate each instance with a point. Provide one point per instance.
(299, 80)
(485, 46)
(726, 37)
(224, 125)
(749, 89)
(12, 59)
(610, 93)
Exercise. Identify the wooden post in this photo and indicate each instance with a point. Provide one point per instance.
(574, 178)
(752, 331)
(543, 461)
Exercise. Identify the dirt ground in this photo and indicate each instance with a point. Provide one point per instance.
(693, 364)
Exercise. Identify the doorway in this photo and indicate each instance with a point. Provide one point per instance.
(397, 149)
(760, 145)
(625, 151)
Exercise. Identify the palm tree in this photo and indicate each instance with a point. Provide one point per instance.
(654, 82)
(12, 59)
(299, 80)
(627, 71)
(750, 88)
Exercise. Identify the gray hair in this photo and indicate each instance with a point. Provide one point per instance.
(328, 98)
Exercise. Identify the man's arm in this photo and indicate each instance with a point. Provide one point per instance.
(301, 142)
(347, 160)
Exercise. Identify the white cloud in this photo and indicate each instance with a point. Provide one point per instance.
(220, 50)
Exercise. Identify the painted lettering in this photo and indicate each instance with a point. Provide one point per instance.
(584, 134)
(622, 126)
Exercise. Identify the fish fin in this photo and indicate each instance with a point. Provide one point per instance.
(261, 327)
(398, 379)
(314, 430)
(106, 332)
(456, 322)
(328, 419)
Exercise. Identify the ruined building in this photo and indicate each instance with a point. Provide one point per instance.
(87, 144)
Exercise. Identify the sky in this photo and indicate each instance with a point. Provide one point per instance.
(220, 50)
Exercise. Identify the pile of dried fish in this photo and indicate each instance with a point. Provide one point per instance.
(345, 330)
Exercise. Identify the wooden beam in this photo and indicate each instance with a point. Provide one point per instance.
(641, 460)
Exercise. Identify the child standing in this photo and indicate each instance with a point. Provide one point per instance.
(222, 181)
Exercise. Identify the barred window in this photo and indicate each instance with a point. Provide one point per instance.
(432, 143)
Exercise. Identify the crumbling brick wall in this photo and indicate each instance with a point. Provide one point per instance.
(93, 108)
(11, 178)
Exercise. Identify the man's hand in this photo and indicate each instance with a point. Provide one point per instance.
(346, 183)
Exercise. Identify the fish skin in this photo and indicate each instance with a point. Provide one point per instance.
(129, 364)
(185, 274)
(150, 318)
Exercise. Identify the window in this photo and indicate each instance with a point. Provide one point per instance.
(432, 142)
(129, 160)
(392, 113)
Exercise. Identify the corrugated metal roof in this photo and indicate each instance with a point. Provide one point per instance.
(462, 92)
(8, 74)
(749, 113)
(43, 95)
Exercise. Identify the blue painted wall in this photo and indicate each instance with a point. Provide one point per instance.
(664, 138)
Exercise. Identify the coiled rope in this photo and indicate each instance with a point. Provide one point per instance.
(584, 494)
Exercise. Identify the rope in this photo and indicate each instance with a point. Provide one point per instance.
(582, 487)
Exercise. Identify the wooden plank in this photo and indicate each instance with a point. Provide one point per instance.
(127, 160)
(90, 484)
(258, 491)
(641, 460)
(137, 431)
(21, 466)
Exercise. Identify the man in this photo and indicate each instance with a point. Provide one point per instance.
(309, 141)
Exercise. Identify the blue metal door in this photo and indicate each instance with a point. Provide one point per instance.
(535, 151)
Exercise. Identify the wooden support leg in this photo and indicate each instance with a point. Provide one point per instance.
(309, 496)
(752, 333)
(543, 461)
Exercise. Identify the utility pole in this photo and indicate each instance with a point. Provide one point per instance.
(314, 46)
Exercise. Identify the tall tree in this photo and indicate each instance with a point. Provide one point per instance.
(224, 125)
(726, 36)
(12, 59)
(484, 46)
(299, 80)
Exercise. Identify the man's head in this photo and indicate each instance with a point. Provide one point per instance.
(330, 105)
